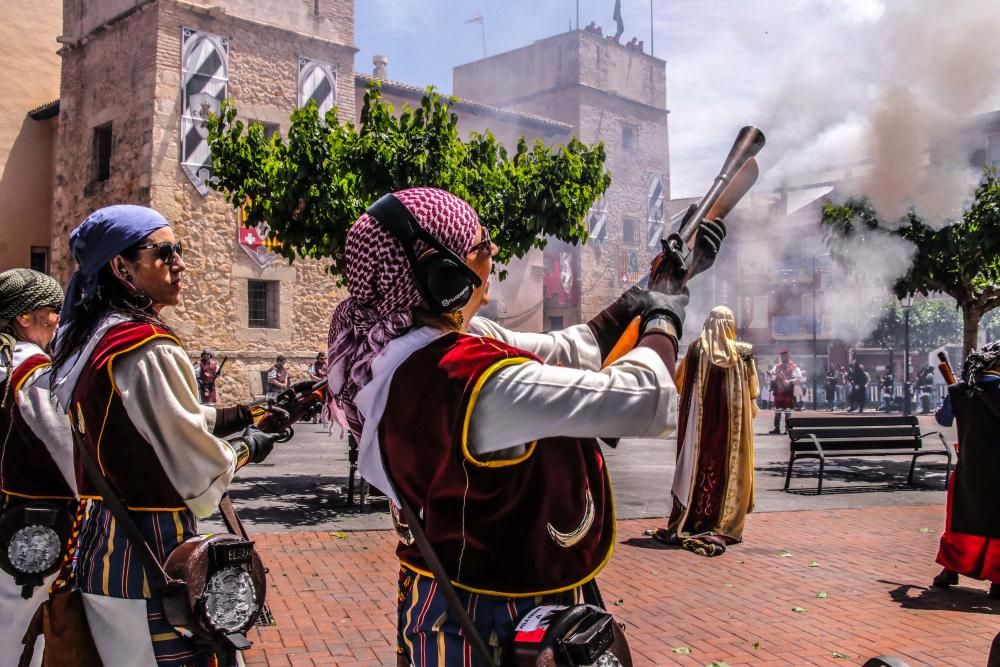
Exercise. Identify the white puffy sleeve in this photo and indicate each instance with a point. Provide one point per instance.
(633, 397)
(159, 392)
(574, 346)
(47, 421)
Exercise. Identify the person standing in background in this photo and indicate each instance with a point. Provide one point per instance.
(278, 379)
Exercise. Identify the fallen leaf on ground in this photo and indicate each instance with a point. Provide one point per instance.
(839, 655)
(717, 663)
(755, 645)
(340, 535)
(728, 585)
(683, 650)
(813, 564)
(740, 562)
(925, 530)
(620, 602)
(785, 554)
(822, 595)
(798, 610)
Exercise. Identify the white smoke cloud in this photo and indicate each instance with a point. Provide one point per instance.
(904, 83)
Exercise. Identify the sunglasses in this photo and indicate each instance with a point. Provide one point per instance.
(166, 252)
(485, 246)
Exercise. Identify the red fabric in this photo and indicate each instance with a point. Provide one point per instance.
(969, 555)
(101, 424)
(710, 482)
(206, 383)
(489, 525)
(784, 395)
(26, 467)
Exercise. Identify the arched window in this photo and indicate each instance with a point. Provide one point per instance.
(204, 79)
(317, 82)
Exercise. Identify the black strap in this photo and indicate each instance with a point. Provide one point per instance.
(158, 578)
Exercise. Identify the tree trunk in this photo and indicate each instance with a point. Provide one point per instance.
(971, 314)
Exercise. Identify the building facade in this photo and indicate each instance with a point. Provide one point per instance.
(139, 76)
(137, 79)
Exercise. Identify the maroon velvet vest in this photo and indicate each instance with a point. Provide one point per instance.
(101, 424)
(27, 469)
(541, 523)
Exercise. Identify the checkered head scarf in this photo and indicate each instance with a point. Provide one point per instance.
(978, 362)
(383, 293)
(24, 290)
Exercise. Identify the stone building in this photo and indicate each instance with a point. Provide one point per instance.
(605, 92)
(138, 77)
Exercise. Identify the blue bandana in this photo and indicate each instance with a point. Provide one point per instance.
(107, 232)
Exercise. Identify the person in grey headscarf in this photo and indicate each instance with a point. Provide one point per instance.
(37, 446)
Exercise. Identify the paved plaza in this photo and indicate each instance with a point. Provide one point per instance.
(819, 580)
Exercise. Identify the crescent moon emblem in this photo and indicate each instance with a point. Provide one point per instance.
(566, 540)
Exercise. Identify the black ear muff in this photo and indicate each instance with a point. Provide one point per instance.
(444, 280)
(447, 286)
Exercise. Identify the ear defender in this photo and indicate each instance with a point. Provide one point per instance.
(444, 280)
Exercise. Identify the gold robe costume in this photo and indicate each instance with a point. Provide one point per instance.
(713, 481)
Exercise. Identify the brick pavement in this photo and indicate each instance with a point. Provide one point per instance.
(333, 595)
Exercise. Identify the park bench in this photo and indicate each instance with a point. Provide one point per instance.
(848, 437)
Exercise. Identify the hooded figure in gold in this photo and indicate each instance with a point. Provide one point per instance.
(713, 481)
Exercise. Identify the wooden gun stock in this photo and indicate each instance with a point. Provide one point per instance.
(945, 368)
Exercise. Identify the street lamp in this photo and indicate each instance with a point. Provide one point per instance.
(907, 303)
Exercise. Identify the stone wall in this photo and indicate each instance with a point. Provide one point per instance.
(109, 78)
(599, 87)
(263, 71)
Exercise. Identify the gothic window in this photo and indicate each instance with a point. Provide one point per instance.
(317, 82)
(204, 80)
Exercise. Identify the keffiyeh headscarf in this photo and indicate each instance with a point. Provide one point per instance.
(718, 336)
(383, 293)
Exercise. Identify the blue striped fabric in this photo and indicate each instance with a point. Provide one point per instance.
(428, 635)
(107, 564)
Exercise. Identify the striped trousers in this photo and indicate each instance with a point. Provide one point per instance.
(428, 635)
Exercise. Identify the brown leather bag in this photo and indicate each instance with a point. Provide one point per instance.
(68, 642)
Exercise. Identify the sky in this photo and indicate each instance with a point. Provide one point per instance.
(829, 81)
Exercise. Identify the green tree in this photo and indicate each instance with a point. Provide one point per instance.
(961, 259)
(933, 323)
(310, 186)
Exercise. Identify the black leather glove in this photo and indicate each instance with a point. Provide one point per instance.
(670, 274)
(609, 324)
(253, 446)
(230, 419)
(671, 306)
(707, 243)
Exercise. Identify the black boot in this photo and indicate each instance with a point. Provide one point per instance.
(777, 424)
(787, 415)
(945, 579)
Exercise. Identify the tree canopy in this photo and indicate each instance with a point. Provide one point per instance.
(933, 323)
(310, 186)
(961, 259)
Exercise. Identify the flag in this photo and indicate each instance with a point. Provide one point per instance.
(476, 19)
(617, 16)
